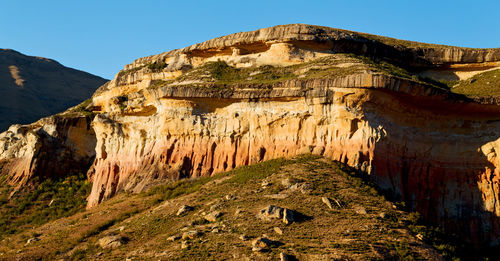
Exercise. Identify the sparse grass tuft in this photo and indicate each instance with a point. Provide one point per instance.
(257, 171)
(82, 108)
(176, 189)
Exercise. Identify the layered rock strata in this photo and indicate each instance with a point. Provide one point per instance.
(431, 148)
(53, 147)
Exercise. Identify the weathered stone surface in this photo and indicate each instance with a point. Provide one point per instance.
(288, 217)
(274, 212)
(278, 230)
(327, 202)
(184, 209)
(257, 249)
(271, 212)
(52, 147)
(284, 257)
(173, 238)
(31, 240)
(360, 210)
(262, 242)
(212, 216)
(190, 234)
(110, 242)
(435, 150)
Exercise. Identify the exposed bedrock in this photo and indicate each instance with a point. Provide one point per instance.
(438, 155)
(168, 116)
(52, 147)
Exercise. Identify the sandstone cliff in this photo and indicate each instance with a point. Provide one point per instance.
(35, 87)
(282, 91)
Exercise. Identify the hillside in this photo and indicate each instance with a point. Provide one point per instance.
(419, 121)
(35, 87)
(221, 220)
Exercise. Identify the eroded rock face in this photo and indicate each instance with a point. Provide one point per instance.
(435, 150)
(438, 155)
(52, 147)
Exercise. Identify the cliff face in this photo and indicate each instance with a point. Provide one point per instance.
(53, 147)
(35, 87)
(279, 92)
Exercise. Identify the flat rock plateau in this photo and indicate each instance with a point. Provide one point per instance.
(258, 140)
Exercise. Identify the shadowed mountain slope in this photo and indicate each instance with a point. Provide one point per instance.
(34, 87)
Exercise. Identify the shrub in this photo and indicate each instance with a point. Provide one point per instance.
(157, 66)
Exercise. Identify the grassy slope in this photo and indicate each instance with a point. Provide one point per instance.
(481, 85)
(49, 200)
(148, 219)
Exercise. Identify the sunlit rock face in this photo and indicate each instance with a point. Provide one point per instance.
(431, 148)
(53, 147)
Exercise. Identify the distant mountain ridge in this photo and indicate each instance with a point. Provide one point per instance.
(33, 87)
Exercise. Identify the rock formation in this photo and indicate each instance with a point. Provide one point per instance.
(35, 87)
(283, 91)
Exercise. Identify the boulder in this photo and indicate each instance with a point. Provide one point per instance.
(288, 216)
(283, 257)
(262, 242)
(278, 230)
(271, 212)
(31, 240)
(257, 249)
(212, 216)
(274, 212)
(173, 238)
(184, 209)
(327, 202)
(360, 210)
(110, 241)
(190, 234)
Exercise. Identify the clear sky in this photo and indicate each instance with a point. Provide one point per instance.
(102, 36)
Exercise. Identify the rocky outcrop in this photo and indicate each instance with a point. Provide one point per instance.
(329, 39)
(53, 147)
(431, 148)
(438, 155)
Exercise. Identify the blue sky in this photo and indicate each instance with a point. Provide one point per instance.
(100, 37)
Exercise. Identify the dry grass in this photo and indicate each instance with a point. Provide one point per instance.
(481, 85)
(319, 233)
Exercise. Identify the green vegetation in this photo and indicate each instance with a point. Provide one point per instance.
(49, 200)
(157, 66)
(176, 189)
(305, 179)
(245, 174)
(239, 175)
(481, 85)
(81, 254)
(107, 224)
(220, 75)
(82, 108)
(122, 73)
